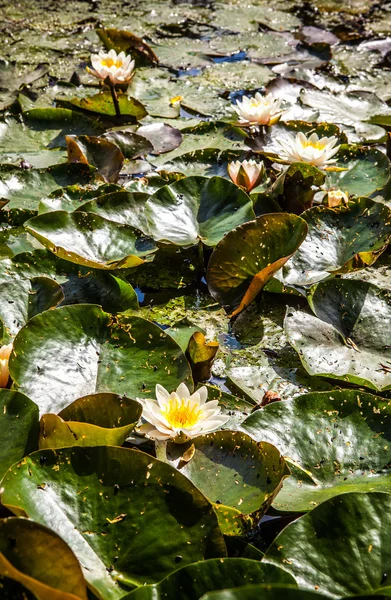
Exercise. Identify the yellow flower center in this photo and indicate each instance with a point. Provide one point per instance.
(317, 145)
(181, 414)
(109, 62)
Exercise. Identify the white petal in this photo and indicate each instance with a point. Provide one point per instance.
(203, 393)
(162, 395)
(183, 392)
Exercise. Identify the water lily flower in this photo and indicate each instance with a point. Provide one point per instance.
(258, 110)
(180, 416)
(5, 352)
(118, 67)
(247, 174)
(336, 197)
(312, 150)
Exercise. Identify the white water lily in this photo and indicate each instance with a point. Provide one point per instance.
(180, 415)
(258, 110)
(336, 197)
(312, 150)
(5, 352)
(247, 174)
(118, 67)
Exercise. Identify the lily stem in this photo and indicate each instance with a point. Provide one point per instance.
(161, 450)
(115, 100)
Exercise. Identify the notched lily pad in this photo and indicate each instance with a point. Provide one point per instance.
(98, 152)
(88, 239)
(75, 351)
(95, 420)
(349, 339)
(334, 442)
(240, 476)
(140, 510)
(248, 256)
(197, 209)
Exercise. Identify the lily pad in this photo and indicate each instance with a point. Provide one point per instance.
(264, 592)
(244, 261)
(75, 351)
(88, 239)
(240, 476)
(366, 171)
(102, 104)
(98, 152)
(21, 300)
(311, 547)
(19, 560)
(141, 513)
(24, 188)
(349, 337)
(127, 208)
(95, 420)
(19, 425)
(334, 442)
(339, 240)
(191, 582)
(131, 144)
(197, 209)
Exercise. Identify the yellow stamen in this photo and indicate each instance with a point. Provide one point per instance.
(109, 62)
(180, 414)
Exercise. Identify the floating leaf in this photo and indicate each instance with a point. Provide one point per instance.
(95, 420)
(89, 240)
(75, 351)
(98, 152)
(131, 144)
(102, 104)
(127, 208)
(24, 188)
(236, 473)
(191, 582)
(19, 426)
(349, 338)
(21, 300)
(335, 442)
(247, 257)
(122, 40)
(339, 240)
(19, 560)
(299, 183)
(133, 517)
(201, 355)
(311, 547)
(162, 136)
(197, 208)
(365, 171)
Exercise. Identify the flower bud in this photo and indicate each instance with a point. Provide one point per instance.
(5, 352)
(247, 174)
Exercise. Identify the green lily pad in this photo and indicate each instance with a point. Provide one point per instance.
(20, 561)
(197, 208)
(24, 188)
(75, 351)
(98, 152)
(264, 592)
(339, 240)
(95, 420)
(297, 186)
(37, 136)
(22, 299)
(191, 582)
(89, 240)
(349, 337)
(244, 261)
(79, 284)
(71, 197)
(367, 170)
(338, 442)
(318, 548)
(102, 104)
(127, 208)
(126, 41)
(240, 476)
(133, 517)
(19, 425)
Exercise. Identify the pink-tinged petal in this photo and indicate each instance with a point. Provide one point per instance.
(183, 392)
